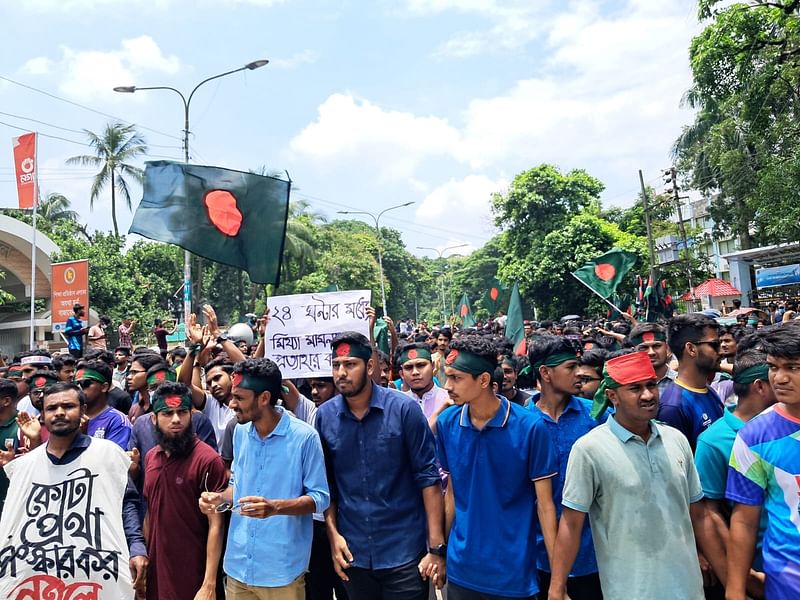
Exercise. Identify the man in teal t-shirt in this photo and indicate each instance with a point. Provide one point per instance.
(751, 385)
(8, 428)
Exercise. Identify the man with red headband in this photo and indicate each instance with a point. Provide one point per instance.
(184, 544)
(637, 481)
(416, 363)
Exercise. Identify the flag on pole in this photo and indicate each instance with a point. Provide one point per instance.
(25, 168)
(491, 300)
(465, 312)
(231, 217)
(603, 274)
(514, 323)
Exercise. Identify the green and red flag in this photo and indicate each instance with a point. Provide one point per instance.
(491, 300)
(465, 312)
(514, 323)
(603, 274)
(231, 217)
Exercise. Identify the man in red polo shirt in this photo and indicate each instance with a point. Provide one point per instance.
(184, 544)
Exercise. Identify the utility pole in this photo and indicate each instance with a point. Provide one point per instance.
(672, 177)
(650, 242)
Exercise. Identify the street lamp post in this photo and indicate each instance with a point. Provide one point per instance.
(441, 255)
(378, 231)
(130, 89)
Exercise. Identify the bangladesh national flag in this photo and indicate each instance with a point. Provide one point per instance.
(230, 217)
(465, 312)
(514, 323)
(491, 300)
(603, 274)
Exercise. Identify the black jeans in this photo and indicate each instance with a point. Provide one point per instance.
(456, 592)
(396, 583)
(585, 587)
(321, 579)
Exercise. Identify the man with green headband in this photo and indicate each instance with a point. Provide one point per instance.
(567, 417)
(416, 365)
(501, 461)
(9, 430)
(184, 544)
(94, 378)
(636, 480)
(714, 446)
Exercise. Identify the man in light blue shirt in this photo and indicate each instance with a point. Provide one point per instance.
(277, 482)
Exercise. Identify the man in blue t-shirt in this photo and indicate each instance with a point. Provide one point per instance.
(567, 417)
(689, 404)
(74, 331)
(94, 378)
(500, 457)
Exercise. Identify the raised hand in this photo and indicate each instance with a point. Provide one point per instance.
(194, 330)
(211, 317)
(31, 428)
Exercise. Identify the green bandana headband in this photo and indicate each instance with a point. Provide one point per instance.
(42, 380)
(89, 374)
(553, 360)
(161, 376)
(750, 374)
(249, 382)
(352, 350)
(14, 371)
(648, 337)
(415, 353)
(461, 360)
(171, 401)
(600, 401)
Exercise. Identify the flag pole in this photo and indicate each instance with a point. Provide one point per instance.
(33, 238)
(611, 304)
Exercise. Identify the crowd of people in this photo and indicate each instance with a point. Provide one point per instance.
(449, 465)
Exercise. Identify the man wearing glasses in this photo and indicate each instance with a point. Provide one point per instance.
(689, 404)
(94, 378)
(652, 338)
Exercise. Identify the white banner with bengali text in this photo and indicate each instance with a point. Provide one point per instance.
(302, 326)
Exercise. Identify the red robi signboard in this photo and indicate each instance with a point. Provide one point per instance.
(25, 169)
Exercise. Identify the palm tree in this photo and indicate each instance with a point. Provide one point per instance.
(118, 144)
(56, 207)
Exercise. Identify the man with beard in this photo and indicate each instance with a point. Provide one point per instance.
(501, 462)
(567, 417)
(94, 378)
(91, 475)
(278, 470)
(387, 492)
(636, 480)
(417, 367)
(689, 404)
(652, 338)
(176, 472)
(442, 348)
(510, 366)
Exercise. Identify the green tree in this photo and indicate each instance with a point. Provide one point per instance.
(113, 150)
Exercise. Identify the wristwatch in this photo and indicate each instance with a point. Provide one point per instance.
(222, 338)
(440, 550)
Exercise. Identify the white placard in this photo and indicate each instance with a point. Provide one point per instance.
(302, 326)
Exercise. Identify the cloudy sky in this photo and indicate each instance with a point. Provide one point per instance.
(365, 104)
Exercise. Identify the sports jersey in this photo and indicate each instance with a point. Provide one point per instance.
(689, 410)
(765, 471)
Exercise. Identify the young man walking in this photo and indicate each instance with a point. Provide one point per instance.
(277, 482)
(385, 522)
(501, 462)
(176, 472)
(763, 476)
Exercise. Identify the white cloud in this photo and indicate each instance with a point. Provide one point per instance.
(463, 204)
(41, 65)
(88, 74)
(397, 142)
(306, 57)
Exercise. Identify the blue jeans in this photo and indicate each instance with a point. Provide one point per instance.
(395, 583)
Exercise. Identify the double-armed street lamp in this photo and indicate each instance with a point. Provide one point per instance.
(377, 220)
(442, 272)
(130, 89)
